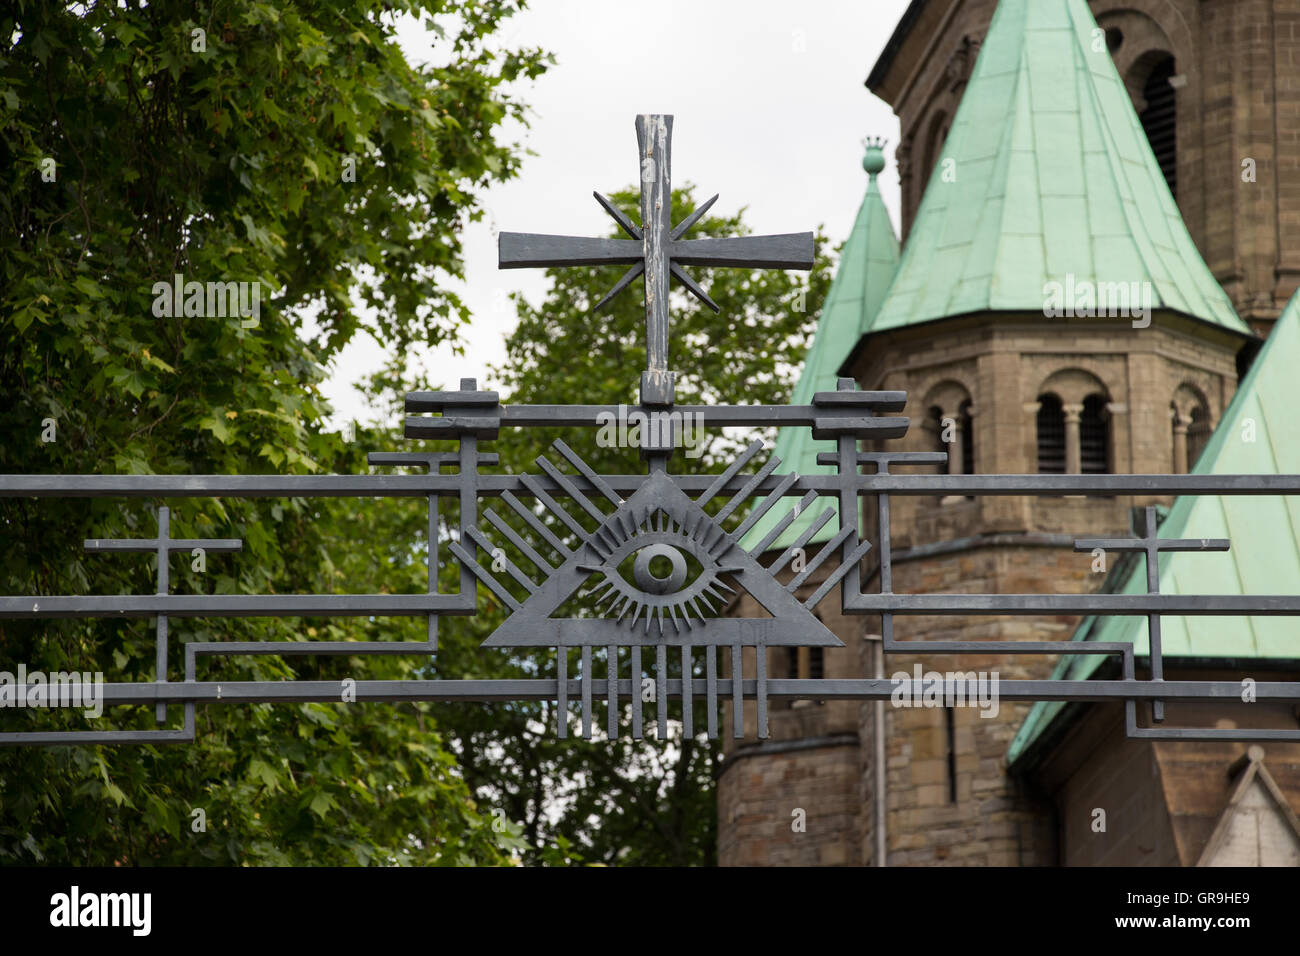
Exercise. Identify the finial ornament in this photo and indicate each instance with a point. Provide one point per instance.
(874, 160)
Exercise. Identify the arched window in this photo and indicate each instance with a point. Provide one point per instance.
(1160, 119)
(966, 422)
(1198, 435)
(1094, 437)
(1051, 435)
(934, 427)
(949, 420)
(1190, 416)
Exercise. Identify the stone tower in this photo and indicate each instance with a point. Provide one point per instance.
(1051, 312)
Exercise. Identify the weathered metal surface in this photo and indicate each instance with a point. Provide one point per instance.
(612, 564)
(656, 251)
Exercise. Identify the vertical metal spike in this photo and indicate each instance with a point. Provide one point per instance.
(586, 692)
(562, 692)
(661, 689)
(611, 670)
(711, 690)
(636, 691)
(737, 691)
(688, 706)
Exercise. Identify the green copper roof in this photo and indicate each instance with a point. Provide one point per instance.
(1264, 531)
(866, 268)
(1053, 178)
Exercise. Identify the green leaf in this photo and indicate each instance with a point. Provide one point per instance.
(217, 424)
(261, 772)
(322, 803)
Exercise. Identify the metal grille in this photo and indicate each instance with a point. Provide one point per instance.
(1198, 435)
(1051, 436)
(541, 541)
(1160, 120)
(1094, 437)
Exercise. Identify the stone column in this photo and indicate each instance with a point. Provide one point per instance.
(973, 411)
(1181, 422)
(954, 449)
(1073, 455)
(955, 456)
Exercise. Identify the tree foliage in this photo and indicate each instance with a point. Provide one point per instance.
(214, 140)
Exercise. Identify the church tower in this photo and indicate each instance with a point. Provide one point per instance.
(1216, 90)
(1050, 313)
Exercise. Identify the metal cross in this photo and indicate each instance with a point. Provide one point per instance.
(1151, 546)
(164, 545)
(657, 250)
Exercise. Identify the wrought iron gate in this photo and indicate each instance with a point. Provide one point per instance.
(577, 532)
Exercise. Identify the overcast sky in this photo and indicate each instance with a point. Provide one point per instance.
(770, 111)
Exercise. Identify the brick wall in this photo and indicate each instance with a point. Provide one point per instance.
(763, 798)
(763, 784)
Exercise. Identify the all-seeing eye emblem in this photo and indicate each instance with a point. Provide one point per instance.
(660, 552)
(652, 569)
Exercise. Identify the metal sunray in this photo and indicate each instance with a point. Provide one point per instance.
(620, 285)
(620, 217)
(692, 286)
(693, 218)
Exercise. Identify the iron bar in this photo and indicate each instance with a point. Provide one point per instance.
(545, 688)
(419, 486)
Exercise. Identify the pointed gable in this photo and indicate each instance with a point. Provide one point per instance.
(866, 268)
(1046, 175)
(1257, 827)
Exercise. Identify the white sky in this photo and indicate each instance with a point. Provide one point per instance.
(770, 111)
